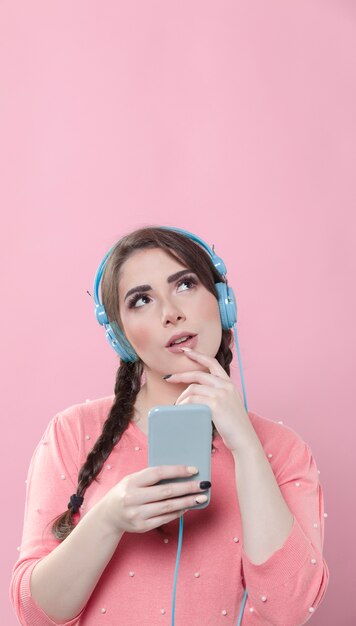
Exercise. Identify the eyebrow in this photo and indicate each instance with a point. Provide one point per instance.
(170, 279)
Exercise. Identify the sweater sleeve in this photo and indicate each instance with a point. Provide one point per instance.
(51, 479)
(286, 589)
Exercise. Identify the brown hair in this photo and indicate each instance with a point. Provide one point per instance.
(128, 376)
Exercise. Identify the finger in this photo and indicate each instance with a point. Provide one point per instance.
(196, 400)
(172, 490)
(201, 390)
(159, 520)
(169, 506)
(169, 509)
(152, 475)
(197, 376)
(210, 362)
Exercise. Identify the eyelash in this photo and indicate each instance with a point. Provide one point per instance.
(137, 296)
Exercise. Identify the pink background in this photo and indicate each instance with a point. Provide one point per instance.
(235, 120)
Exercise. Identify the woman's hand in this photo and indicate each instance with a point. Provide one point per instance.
(137, 504)
(217, 390)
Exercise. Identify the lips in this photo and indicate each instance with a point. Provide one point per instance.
(187, 333)
(190, 343)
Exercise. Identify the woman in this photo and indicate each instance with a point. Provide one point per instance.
(109, 558)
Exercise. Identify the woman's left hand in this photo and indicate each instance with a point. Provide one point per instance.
(217, 390)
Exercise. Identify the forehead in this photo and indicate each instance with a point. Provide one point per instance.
(144, 266)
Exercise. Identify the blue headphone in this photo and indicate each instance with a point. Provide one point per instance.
(121, 345)
(115, 336)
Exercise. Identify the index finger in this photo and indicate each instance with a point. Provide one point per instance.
(152, 475)
(210, 362)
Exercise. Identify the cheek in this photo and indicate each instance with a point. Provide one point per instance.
(210, 320)
(140, 337)
(210, 309)
(211, 313)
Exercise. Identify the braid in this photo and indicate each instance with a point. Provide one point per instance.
(127, 386)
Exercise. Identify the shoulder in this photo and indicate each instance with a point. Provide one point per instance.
(270, 430)
(283, 444)
(83, 415)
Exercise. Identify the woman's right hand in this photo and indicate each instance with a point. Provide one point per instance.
(137, 504)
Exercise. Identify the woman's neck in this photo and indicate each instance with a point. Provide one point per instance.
(150, 395)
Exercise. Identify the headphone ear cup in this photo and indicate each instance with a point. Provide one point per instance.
(227, 305)
(121, 345)
(100, 314)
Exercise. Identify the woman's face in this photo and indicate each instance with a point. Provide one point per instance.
(151, 316)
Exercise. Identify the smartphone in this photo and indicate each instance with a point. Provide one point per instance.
(181, 435)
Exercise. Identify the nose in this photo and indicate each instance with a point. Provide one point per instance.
(171, 314)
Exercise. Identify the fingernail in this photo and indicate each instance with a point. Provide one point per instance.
(192, 470)
(167, 376)
(201, 499)
(186, 349)
(205, 484)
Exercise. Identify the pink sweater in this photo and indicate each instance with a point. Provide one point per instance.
(136, 587)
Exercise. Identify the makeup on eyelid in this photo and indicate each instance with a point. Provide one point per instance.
(187, 279)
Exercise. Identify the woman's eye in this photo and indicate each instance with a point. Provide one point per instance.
(132, 303)
(190, 280)
(187, 281)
